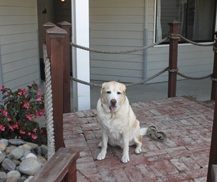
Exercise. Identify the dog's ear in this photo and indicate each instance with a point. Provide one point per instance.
(124, 89)
(102, 91)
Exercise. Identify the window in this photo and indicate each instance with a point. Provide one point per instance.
(197, 18)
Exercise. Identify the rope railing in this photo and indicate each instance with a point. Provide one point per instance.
(49, 105)
(119, 52)
(170, 36)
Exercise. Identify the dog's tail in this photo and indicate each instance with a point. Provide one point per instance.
(143, 131)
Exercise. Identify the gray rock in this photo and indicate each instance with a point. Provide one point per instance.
(3, 144)
(41, 159)
(29, 166)
(44, 150)
(3, 176)
(8, 164)
(33, 145)
(11, 179)
(2, 156)
(17, 152)
(16, 162)
(14, 174)
(28, 179)
(16, 141)
(10, 148)
(31, 155)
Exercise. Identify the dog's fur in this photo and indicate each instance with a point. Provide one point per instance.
(119, 124)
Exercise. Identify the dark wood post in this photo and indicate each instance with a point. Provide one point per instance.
(214, 74)
(173, 55)
(213, 148)
(47, 26)
(56, 36)
(67, 67)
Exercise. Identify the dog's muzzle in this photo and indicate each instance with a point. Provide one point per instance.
(113, 105)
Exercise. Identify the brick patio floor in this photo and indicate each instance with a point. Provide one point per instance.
(182, 157)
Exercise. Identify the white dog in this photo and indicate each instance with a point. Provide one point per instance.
(119, 124)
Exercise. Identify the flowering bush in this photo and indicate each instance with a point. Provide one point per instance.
(19, 111)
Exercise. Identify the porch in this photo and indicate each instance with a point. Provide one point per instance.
(182, 157)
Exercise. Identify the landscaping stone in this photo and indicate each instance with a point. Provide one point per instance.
(29, 166)
(16, 141)
(2, 156)
(17, 153)
(3, 144)
(8, 164)
(20, 160)
(3, 176)
(14, 174)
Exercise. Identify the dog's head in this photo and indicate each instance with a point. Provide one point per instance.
(113, 94)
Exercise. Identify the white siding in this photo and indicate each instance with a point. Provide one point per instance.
(116, 25)
(119, 25)
(19, 42)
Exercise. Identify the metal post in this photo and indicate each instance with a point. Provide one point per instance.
(173, 54)
(67, 68)
(56, 36)
(214, 74)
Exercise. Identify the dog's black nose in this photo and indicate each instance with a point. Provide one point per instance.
(113, 102)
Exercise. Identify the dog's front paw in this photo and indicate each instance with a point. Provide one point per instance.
(138, 150)
(125, 158)
(101, 155)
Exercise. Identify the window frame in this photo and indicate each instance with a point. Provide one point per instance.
(183, 42)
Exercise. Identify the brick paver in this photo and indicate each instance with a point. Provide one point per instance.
(183, 157)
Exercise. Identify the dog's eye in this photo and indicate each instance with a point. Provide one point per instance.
(118, 93)
(108, 92)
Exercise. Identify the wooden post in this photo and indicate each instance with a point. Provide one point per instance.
(67, 67)
(214, 74)
(173, 54)
(213, 147)
(47, 26)
(56, 36)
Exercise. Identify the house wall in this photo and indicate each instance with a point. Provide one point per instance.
(123, 25)
(193, 60)
(116, 25)
(19, 43)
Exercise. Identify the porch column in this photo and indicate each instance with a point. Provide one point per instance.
(81, 58)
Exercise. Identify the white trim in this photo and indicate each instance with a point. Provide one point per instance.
(82, 61)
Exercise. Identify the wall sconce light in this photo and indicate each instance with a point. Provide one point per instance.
(62, 0)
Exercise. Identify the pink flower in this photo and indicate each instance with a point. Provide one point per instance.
(26, 105)
(39, 99)
(34, 136)
(9, 119)
(35, 129)
(3, 88)
(29, 133)
(24, 91)
(41, 112)
(4, 112)
(22, 132)
(16, 126)
(29, 116)
(39, 92)
(20, 92)
(11, 128)
(2, 127)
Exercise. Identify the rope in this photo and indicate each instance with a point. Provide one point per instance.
(119, 52)
(128, 85)
(193, 78)
(195, 43)
(49, 105)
